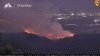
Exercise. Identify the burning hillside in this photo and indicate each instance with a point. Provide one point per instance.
(51, 35)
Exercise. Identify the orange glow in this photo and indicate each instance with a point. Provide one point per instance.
(29, 31)
(51, 35)
(60, 35)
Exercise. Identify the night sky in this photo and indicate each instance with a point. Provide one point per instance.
(16, 19)
(58, 3)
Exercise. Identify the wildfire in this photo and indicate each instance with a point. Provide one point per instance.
(60, 35)
(30, 31)
(51, 35)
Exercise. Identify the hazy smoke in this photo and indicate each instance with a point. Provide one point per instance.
(37, 18)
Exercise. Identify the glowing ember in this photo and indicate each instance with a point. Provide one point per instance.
(29, 31)
(52, 36)
(60, 35)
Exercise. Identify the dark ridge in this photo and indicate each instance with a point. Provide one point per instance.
(79, 44)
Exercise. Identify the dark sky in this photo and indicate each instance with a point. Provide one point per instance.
(19, 18)
(58, 3)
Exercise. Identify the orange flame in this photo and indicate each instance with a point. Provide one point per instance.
(30, 31)
(60, 35)
(51, 35)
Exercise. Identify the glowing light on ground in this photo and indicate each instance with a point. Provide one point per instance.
(30, 31)
(72, 14)
(52, 36)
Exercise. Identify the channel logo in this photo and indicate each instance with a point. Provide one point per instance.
(97, 3)
(7, 5)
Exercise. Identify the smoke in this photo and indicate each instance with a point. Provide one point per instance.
(38, 18)
(51, 30)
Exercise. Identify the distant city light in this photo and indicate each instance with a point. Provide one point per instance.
(73, 24)
(96, 20)
(72, 14)
(59, 18)
(84, 16)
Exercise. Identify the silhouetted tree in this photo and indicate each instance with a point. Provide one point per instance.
(6, 49)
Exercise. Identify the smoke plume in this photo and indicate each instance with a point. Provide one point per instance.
(37, 19)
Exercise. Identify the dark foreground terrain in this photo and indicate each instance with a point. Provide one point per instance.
(21, 43)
